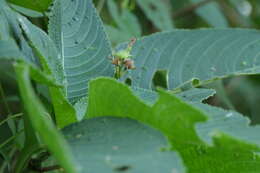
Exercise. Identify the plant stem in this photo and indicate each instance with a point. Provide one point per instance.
(231, 14)
(6, 162)
(46, 169)
(100, 5)
(4, 100)
(24, 157)
(11, 138)
(10, 117)
(186, 10)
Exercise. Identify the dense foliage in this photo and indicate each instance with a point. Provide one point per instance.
(78, 92)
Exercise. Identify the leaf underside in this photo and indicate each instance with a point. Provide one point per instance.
(80, 38)
(193, 57)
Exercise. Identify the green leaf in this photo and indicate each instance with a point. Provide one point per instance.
(196, 94)
(230, 122)
(129, 147)
(80, 38)
(212, 14)
(45, 49)
(27, 12)
(52, 65)
(37, 5)
(81, 108)
(4, 27)
(158, 13)
(42, 78)
(195, 57)
(136, 109)
(176, 120)
(13, 31)
(9, 50)
(41, 123)
(192, 95)
(149, 96)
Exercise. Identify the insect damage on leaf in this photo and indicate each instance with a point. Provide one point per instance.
(122, 60)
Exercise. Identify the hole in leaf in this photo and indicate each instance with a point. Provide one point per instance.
(195, 82)
(160, 79)
(122, 168)
(128, 81)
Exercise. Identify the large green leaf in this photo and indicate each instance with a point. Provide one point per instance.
(37, 5)
(80, 38)
(194, 57)
(176, 120)
(158, 13)
(107, 144)
(42, 123)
